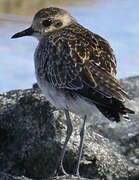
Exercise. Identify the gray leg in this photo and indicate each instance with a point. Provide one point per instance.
(82, 132)
(69, 132)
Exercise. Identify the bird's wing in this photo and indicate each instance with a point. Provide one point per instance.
(102, 54)
(76, 62)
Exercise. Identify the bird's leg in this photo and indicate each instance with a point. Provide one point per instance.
(69, 132)
(82, 132)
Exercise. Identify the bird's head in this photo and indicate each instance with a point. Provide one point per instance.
(45, 21)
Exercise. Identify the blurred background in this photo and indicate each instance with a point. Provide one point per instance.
(115, 20)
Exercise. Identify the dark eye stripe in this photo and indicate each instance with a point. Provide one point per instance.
(47, 22)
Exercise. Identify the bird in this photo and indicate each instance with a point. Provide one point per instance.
(76, 70)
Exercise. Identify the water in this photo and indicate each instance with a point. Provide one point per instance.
(117, 21)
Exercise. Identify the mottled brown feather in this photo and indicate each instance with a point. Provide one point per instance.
(75, 55)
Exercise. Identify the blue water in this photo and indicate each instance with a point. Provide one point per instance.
(117, 21)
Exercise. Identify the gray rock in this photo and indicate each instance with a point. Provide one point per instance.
(32, 133)
(131, 85)
(5, 176)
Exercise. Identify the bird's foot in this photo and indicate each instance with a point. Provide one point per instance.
(61, 170)
(77, 174)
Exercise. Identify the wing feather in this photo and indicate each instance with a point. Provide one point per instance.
(106, 83)
(84, 59)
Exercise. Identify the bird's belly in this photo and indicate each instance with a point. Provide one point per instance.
(52, 94)
(81, 107)
(61, 100)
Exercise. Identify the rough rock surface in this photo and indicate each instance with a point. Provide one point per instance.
(5, 176)
(32, 133)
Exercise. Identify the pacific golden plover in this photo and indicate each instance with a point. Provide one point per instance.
(76, 70)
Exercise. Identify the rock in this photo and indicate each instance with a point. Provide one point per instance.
(131, 85)
(68, 178)
(32, 134)
(5, 176)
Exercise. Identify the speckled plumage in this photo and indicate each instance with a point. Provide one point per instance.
(78, 62)
(75, 68)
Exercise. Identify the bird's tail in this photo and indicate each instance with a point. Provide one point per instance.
(126, 110)
(114, 114)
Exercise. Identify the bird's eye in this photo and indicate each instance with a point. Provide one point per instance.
(58, 23)
(47, 22)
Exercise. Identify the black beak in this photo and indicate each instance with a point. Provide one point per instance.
(26, 32)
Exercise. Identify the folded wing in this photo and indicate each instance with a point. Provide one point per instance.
(84, 61)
